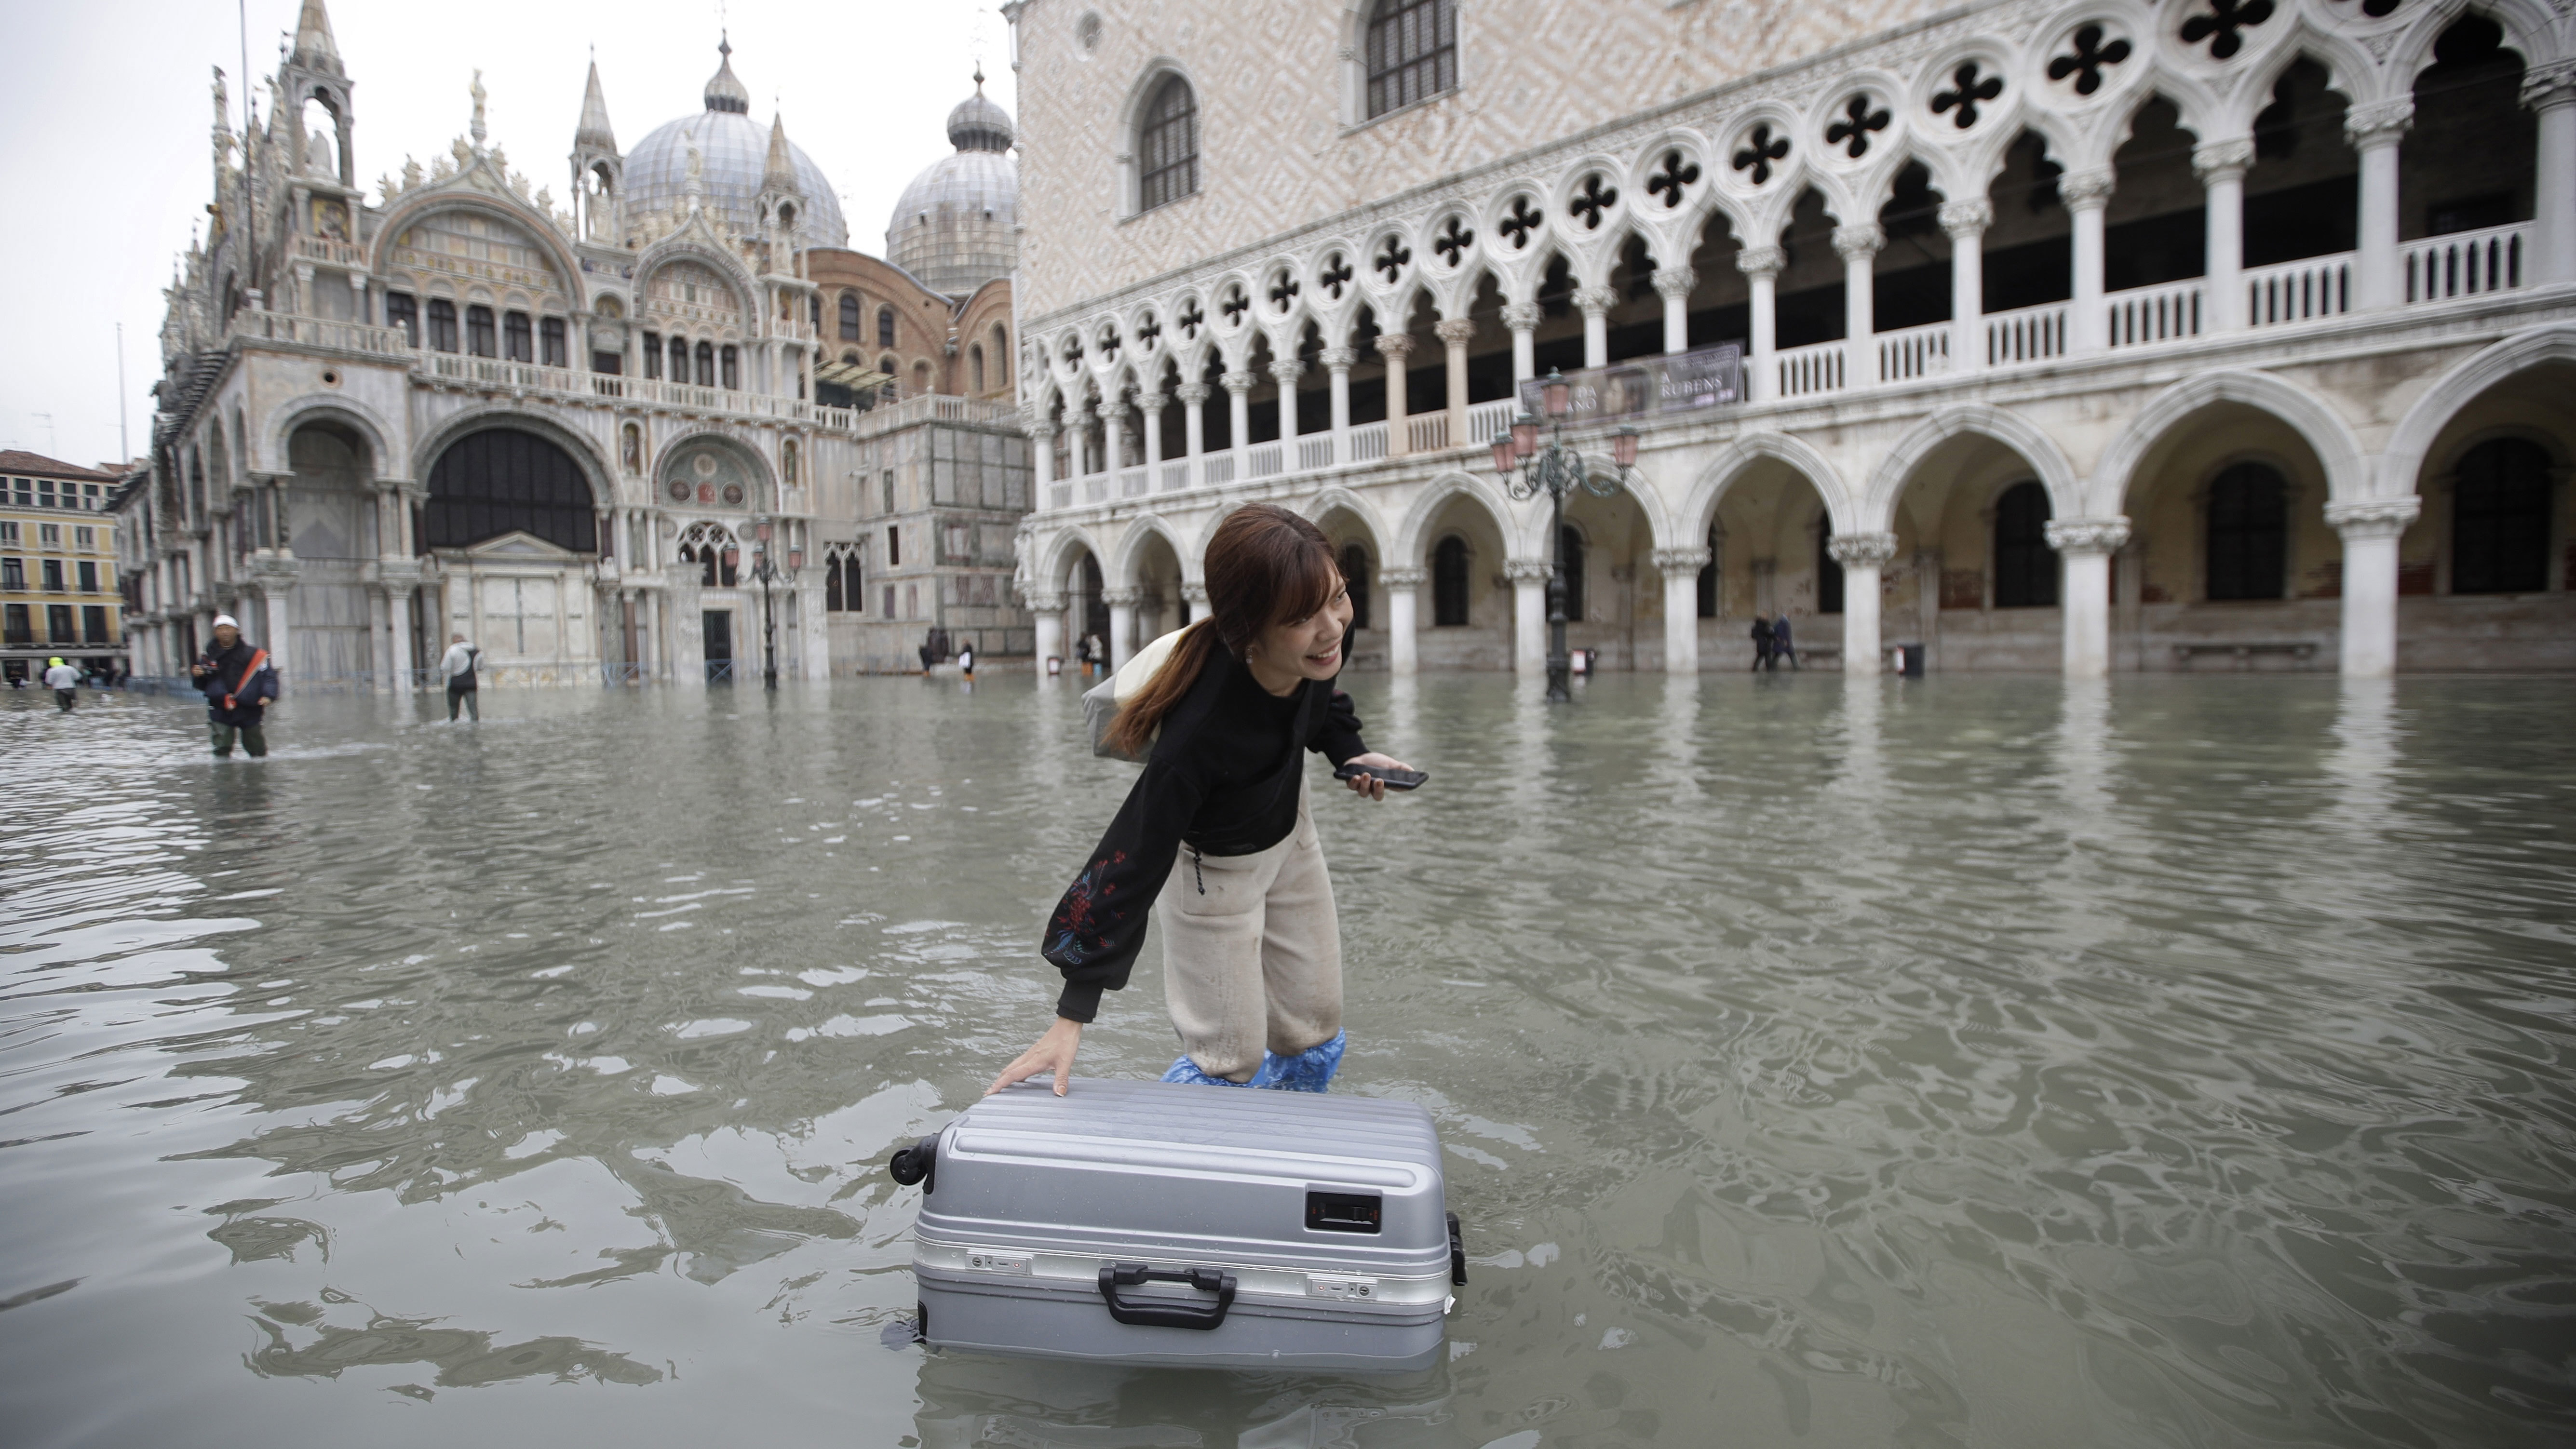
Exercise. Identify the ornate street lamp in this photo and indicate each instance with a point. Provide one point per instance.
(765, 569)
(1556, 471)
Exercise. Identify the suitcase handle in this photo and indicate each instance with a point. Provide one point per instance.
(1163, 1313)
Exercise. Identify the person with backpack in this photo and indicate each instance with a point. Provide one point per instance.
(238, 681)
(1216, 838)
(65, 683)
(458, 664)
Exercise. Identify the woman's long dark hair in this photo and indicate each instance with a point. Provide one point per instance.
(1265, 566)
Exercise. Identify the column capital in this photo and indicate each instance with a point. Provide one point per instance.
(1402, 578)
(1528, 570)
(1394, 344)
(1859, 243)
(1671, 282)
(1339, 359)
(1045, 601)
(1595, 301)
(2549, 84)
(1195, 591)
(1191, 394)
(1862, 550)
(2374, 124)
(1122, 598)
(1456, 331)
(1042, 429)
(1108, 409)
(1761, 261)
(1240, 383)
(1966, 218)
(1671, 561)
(2087, 190)
(1522, 316)
(1151, 402)
(2373, 517)
(2223, 160)
(2088, 535)
(1286, 371)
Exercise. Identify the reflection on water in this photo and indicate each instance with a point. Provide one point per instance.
(1895, 1062)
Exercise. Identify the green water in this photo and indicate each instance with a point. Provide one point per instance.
(1964, 1061)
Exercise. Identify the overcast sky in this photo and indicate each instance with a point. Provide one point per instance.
(107, 160)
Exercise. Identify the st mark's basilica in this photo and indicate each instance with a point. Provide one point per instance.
(671, 426)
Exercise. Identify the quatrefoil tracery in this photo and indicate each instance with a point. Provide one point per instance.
(1453, 242)
(1967, 90)
(2224, 26)
(1858, 120)
(1677, 174)
(1593, 201)
(1521, 223)
(1760, 149)
(2088, 60)
(1392, 259)
(1191, 320)
(1147, 329)
(1335, 276)
(1283, 292)
(1234, 304)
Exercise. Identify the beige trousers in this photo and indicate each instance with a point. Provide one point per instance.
(1252, 952)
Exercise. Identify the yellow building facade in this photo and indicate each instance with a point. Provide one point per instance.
(58, 575)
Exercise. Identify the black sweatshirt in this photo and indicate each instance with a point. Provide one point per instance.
(231, 674)
(1223, 778)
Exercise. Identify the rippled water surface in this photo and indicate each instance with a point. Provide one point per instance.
(1963, 1062)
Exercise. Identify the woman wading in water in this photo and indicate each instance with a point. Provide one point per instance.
(1215, 838)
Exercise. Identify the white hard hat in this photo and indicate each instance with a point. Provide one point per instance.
(222, 619)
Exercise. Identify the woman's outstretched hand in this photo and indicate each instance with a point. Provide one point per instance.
(1370, 785)
(1053, 1053)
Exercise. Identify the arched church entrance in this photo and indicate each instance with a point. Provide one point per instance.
(513, 522)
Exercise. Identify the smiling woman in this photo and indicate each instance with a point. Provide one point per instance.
(1251, 942)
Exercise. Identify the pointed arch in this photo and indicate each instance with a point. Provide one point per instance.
(269, 451)
(1057, 556)
(1406, 548)
(1887, 482)
(1121, 566)
(1320, 505)
(2348, 470)
(2401, 463)
(1699, 506)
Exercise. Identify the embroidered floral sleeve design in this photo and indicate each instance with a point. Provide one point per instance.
(1084, 916)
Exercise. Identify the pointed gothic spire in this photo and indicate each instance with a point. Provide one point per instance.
(594, 131)
(780, 175)
(314, 47)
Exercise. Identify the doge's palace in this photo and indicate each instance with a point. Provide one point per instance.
(670, 428)
(2220, 334)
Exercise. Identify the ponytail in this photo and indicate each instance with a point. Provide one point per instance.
(1265, 566)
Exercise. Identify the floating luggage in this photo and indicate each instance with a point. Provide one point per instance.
(1154, 1223)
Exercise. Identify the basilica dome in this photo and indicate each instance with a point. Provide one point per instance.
(733, 154)
(957, 226)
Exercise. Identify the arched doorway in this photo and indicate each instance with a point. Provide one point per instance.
(512, 520)
(506, 480)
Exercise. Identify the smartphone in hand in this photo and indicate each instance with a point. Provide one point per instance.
(1395, 779)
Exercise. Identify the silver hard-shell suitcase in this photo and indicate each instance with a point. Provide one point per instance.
(1155, 1223)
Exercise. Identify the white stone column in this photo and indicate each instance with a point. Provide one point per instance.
(398, 599)
(1522, 319)
(1862, 555)
(1151, 404)
(1455, 334)
(2375, 131)
(1122, 623)
(1285, 372)
(1238, 418)
(2222, 166)
(1674, 284)
(1397, 349)
(1529, 578)
(2087, 194)
(1680, 568)
(1966, 223)
(1337, 364)
(2371, 531)
(1113, 441)
(1193, 396)
(1858, 247)
(1042, 458)
(1596, 303)
(1761, 268)
(1194, 601)
(1401, 587)
(2550, 90)
(2084, 548)
(1048, 610)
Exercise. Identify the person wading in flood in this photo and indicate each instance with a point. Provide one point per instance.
(458, 665)
(65, 683)
(1216, 837)
(238, 683)
(1761, 642)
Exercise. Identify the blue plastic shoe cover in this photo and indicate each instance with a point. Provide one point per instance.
(1308, 1071)
(1187, 1072)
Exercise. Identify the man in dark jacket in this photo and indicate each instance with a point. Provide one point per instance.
(1761, 642)
(1783, 644)
(239, 682)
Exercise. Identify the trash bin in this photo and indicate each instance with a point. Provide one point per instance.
(1909, 660)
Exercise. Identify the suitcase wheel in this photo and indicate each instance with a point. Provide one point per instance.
(917, 1163)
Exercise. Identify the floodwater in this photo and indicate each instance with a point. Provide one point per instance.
(1965, 1061)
